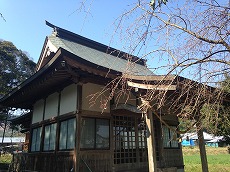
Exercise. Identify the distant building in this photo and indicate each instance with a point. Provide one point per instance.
(11, 144)
(191, 139)
(11, 140)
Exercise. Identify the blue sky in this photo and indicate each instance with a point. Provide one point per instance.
(25, 25)
(25, 21)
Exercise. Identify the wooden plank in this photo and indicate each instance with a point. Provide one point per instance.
(151, 77)
(151, 142)
(151, 87)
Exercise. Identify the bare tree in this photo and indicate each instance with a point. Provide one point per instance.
(181, 34)
(187, 38)
(2, 17)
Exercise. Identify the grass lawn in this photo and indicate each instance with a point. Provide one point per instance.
(5, 158)
(5, 161)
(218, 159)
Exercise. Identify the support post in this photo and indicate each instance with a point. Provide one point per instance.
(203, 155)
(78, 128)
(151, 142)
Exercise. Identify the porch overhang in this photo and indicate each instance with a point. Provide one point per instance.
(23, 120)
(127, 107)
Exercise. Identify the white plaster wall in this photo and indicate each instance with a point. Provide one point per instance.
(90, 89)
(51, 108)
(68, 99)
(38, 111)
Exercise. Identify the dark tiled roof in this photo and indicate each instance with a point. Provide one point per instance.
(82, 53)
(97, 53)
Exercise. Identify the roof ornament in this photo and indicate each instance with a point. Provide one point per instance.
(55, 28)
(55, 31)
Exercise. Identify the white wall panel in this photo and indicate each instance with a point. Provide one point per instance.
(38, 111)
(68, 99)
(51, 108)
(90, 89)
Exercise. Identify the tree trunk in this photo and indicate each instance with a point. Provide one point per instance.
(4, 131)
(203, 154)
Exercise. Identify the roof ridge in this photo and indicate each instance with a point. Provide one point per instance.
(65, 34)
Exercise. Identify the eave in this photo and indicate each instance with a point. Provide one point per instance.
(63, 69)
(23, 120)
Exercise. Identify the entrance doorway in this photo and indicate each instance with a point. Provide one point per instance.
(130, 144)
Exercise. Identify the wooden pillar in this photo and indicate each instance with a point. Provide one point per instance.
(203, 155)
(151, 142)
(78, 129)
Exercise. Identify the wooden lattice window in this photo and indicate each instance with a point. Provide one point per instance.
(129, 139)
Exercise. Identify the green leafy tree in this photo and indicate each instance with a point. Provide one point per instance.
(216, 117)
(216, 120)
(153, 3)
(225, 84)
(15, 67)
(224, 124)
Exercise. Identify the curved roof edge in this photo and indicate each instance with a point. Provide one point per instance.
(62, 33)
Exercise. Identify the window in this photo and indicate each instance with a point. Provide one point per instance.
(129, 139)
(50, 137)
(67, 134)
(95, 133)
(36, 139)
(102, 134)
(169, 140)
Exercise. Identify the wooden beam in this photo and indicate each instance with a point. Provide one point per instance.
(151, 77)
(151, 87)
(151, 142)
(203, 155)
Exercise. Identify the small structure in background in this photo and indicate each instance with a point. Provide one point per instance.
(187, 142)
(217, 141)
(191, 139)
(12, 140)
(11, 144)
(24, 122)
